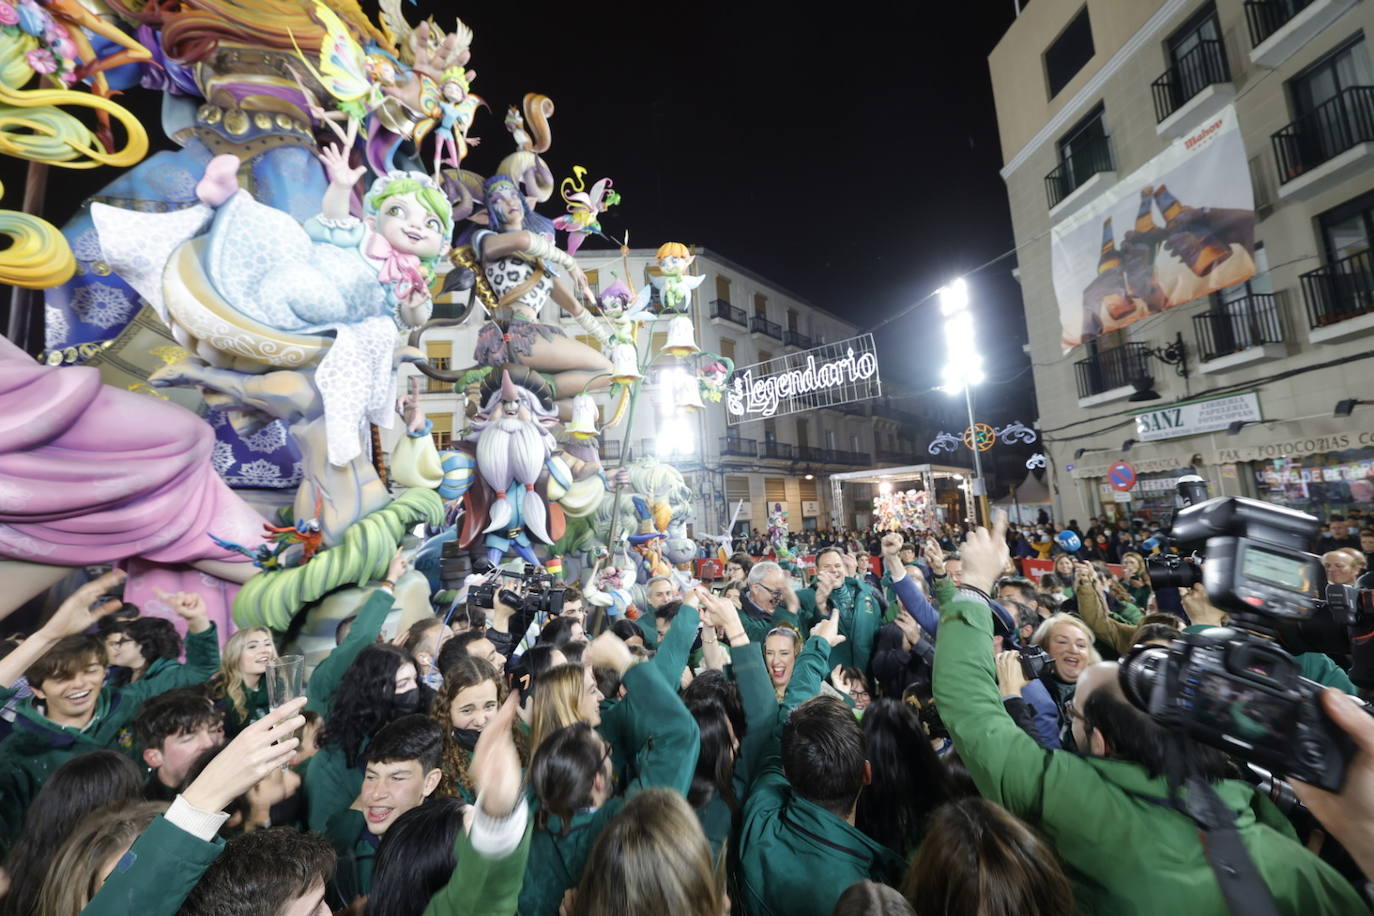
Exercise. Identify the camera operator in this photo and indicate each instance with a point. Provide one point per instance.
(1125, 847)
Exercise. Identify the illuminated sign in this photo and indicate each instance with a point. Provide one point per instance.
(824, 376)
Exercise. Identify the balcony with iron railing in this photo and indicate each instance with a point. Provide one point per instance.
(1073, 172)
(783, 451)
(1336, 129)
(1238, 326)
(738, 447)
(796, 339)
(1279, 28)
(727, 312)
(1265, 17)
(1190, 89)
(1110, 370)
(760, 325)
(1338, 292)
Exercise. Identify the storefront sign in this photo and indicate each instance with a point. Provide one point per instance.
(810, 507)
(1196, 417)
(1301, 445)
(825, 376)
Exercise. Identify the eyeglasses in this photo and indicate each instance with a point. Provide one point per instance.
(775, 592)
(117, 643)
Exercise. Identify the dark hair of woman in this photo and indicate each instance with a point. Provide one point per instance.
(626, 629)
(715, 685)
(987, 863)
(75, 789)
(715, 772)
(557, 632)
(415, 859)
(909, 779)
(563, 772)
(156, 638)
(573, 651)
(366, 699)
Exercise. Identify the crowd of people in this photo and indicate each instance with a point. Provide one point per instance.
(943, 736)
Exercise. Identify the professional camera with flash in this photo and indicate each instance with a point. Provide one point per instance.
(1235, 687)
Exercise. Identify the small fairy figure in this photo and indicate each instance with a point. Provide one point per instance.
(457, 107)
(584, 207)
(671, 279)
(711, 376)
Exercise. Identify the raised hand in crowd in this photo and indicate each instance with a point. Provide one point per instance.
(188, 606)
(829, 629)
(263, 747)
(82, 609)
(1011, 678)
(934, 555)
(495, 767)
(985, 554)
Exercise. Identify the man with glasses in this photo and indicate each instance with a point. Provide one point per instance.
(768, 601)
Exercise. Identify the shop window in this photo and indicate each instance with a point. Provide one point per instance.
(1332, 483)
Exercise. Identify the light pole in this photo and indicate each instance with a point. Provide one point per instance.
(963, 370)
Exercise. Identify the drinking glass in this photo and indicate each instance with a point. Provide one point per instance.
(285, 675)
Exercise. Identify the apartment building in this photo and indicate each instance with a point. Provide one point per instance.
(752, 465)
(1239, 352)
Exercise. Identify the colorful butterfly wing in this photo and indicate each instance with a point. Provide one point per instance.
(341, 59)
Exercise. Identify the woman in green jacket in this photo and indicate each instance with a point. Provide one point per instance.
(572, 777)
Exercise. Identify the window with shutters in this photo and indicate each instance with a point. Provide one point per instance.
(656, 343)
(774, 490)
(803, 433)
(439, 353)
(722, 288)
(760, 305)
(808, 490)
(594, 279)
(737, 488)
(791, 319)
(727, 347)
(443, 430)
(764, 356)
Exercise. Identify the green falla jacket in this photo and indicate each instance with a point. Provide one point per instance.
(796, 858)
(1123, 852)
(331, 785)
(667, 742)
(37, 746)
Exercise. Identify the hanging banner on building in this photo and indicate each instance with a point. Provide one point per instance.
(828, 375)
(1179, 227)
(1197, 417)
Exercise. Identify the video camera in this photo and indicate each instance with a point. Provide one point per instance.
(1236, 688)
(542, 593)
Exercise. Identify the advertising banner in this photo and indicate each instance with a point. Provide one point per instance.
(1180, 227)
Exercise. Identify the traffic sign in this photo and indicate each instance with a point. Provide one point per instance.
(1121, 476)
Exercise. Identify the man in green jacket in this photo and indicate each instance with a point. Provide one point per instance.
(799, 848)
(860, 612)
(72, 710)
(1125, 849)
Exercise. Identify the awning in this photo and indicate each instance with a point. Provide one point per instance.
(1145, 460)
(1294, 438)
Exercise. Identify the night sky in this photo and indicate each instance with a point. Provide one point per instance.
(851, 158)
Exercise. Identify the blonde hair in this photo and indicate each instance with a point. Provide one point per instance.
(556, 702)
(652, 857)
(673, 250)
(229, 681)
(1042, 632)
(1354, 557)
(74, 876)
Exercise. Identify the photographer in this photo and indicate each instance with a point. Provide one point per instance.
(1125, 848)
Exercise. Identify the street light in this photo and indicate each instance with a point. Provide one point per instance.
(963, 367)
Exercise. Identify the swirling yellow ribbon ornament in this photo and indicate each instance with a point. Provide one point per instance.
(34, 127)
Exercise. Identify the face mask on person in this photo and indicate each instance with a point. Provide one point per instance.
(405, 704)
(467, 737)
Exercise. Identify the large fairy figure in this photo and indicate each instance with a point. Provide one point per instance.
(518, 260)
(360, 279)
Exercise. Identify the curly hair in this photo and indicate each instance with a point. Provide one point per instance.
(157, 638)
(362, 703)
(466, 672)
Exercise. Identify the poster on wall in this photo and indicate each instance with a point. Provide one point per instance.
(1179, 227)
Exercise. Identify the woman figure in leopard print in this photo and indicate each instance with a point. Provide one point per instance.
(517, 260)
